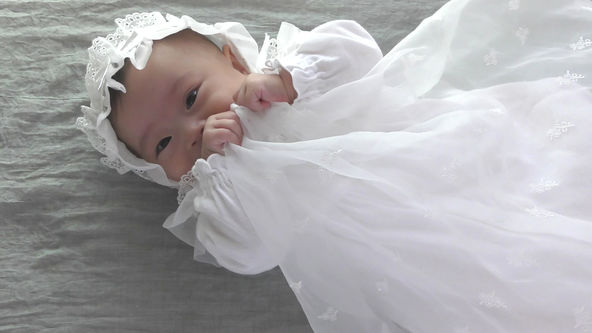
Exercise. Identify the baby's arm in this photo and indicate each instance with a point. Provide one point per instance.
(259, 90)
(331, 55)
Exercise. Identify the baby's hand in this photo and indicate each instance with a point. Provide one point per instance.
(259, 90)
(220, 128)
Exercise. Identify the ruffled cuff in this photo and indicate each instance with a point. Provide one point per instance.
(211, 219)
(330, 55)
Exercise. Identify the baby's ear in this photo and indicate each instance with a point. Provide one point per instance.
(228, 54)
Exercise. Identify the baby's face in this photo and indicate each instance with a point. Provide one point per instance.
(161, 117)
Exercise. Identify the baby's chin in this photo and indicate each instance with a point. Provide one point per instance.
(177, 172)
(179, 169)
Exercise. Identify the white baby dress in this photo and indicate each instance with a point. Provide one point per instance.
(444, 187)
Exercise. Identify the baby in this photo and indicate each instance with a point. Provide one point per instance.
(161, 88)
(177, 108)
(443, 187)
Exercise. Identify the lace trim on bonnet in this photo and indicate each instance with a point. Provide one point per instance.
(133, 40)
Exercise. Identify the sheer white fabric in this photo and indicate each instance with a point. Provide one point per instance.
(227, 233)
(330, 55)
(444, 190)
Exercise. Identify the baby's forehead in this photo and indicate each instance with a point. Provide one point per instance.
(181, 43)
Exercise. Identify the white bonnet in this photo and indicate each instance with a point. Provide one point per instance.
(133, 39)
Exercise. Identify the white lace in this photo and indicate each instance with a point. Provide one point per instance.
(271, 53)
(133, 40)
(186, 184)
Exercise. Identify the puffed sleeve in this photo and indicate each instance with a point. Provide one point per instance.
(211, 219)
(328, 56)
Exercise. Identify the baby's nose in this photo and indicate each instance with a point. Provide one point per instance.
(193, 132)
(196, 140)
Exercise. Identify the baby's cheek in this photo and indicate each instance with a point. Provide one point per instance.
(173, 169)
(221, 103)
(181, 165)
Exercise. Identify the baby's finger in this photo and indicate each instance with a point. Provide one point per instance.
(222, 136)
(249, 95)
(234, 138)
(226, 115)
(231, 125)
(229, 120)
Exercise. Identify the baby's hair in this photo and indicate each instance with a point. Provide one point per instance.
(115, 98)
(114, 94)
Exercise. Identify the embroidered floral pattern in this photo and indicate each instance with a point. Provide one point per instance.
(522, 34)
(114, 163)
(428, 213)
(329, 159)
(330, 314)
(449, 171)
(543, 185)
(296, 286)
(559, 129)
(514, 4)
(570, 77)
(325, 175)
(581, 44)
(492, 301)
(271, 55)
(538, 212)
(382, 287)
(186, 184)
(490, 59)
(583, 319)
(412, 59)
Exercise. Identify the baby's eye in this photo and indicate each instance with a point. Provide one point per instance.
(162, 145)
(190, 99)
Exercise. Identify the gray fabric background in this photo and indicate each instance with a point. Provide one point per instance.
(82, 249)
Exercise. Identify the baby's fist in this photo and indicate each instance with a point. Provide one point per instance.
(219, 129)
(258, 91)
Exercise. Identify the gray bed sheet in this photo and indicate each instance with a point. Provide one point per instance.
(82, 248)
